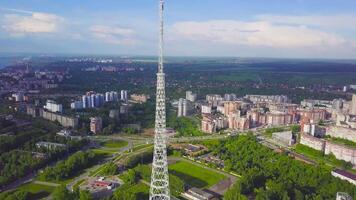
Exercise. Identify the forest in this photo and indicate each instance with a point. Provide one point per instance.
(269, 175)
(65, 169)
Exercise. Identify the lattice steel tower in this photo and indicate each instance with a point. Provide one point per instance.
(160, 179)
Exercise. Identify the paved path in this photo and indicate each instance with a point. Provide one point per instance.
(46, 183)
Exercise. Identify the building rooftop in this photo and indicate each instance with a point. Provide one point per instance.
(345, 174)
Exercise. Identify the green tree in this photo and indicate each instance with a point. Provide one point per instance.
(122, 193)
(110, 169)
(85, 195)
(61, 193)
(130, 177)
(234, 193)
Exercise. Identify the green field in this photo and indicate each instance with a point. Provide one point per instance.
(195, 175)
(36, 191)
(115, 144)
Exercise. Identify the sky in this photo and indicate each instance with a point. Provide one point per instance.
(233, 28)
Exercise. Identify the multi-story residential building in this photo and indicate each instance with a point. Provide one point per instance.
(111, 96)
(268, 98)
(315, 115)
(190, 96)
(230, 97)
(214, 99)
(124, 96)
(96, 124)
(231, 107)
(52, 106)
(66, 121)
(77, 105)
(184, 107)
(279, 118)
(208, 124)
(236, 122)
(206, 109)
(353, 105)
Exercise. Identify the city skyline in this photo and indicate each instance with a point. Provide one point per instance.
(294, 29)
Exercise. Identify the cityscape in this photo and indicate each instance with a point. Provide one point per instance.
(172, 104)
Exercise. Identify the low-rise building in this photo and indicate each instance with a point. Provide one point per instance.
(344, 175)
(198, 194)
(340, 152)
(140, 98)
(64, 133)
(50, 145)
(341, 132)
(312, 142)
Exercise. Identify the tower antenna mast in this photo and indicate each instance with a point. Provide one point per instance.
(159, 189)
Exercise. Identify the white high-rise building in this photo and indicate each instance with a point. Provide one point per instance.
(184, 107)
(85, 101)
(124, 96)
(52, 106)
(107, 96)
(190, 96)
(111, 96)
(77, 105)
(180, 107)
(353, 105)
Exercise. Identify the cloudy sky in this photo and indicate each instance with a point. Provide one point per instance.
(244, 28)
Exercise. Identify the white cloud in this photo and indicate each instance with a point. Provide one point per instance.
(114, 35)
(26, 22)
(258, 33)
(347, 21)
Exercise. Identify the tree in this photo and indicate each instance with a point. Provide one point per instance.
(110, 169)
(122, 193)
(85, 195)
(234, 193)
(61, 193)
(18, 195)
(130, 177)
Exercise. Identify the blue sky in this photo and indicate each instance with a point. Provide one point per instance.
(253, 28)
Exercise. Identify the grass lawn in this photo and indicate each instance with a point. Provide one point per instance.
(36, 191)
(195, 175)
(115, 144)
(104, 152)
